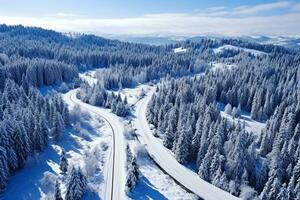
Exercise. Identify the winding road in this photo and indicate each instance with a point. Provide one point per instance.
(164, 158)
(115, 168)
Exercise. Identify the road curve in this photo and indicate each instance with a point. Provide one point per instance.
(164, 158)
(115, 168)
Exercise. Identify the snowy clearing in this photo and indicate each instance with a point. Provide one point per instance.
(216, 66)
(134, 94)
(89, 77)
(250, 124)
(180, 50)
(162, 156)
(231, 47)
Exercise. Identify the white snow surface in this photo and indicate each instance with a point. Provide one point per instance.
(179, 50)
(231, 47)
(250, 124)
(115, 169)
(89, 77)
(154, 183)
(166, 160)
(133, 94)
(216, 66)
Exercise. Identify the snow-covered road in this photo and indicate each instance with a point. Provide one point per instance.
(166, 160)
(115, 170)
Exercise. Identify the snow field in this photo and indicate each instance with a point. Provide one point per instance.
(221, 66)
(250, 124)
(231, 47)
(180, 50)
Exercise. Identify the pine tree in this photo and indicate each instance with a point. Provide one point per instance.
(4, 171)
(183, 144)
(275, 189)
(21, 144)
(236, 112)
(40, 137)
(291, 188)
(132, 175)
(296, 171)
(129, 155)
(57, 192)
(63, 165)
(58, 127)
(76, 185)
(228, 109)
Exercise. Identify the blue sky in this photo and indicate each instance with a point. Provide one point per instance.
(157, 17)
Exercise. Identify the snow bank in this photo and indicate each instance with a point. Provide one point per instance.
(154, 183)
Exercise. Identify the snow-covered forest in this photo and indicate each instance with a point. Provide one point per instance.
(246, 78)
(187, 117)
(27, 121)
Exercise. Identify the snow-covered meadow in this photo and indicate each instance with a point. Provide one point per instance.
(231, 47)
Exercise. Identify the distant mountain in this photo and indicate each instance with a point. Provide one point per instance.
(286, 41)
(291, 42)
(151, 40)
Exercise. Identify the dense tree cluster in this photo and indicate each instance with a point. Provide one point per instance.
(98, 96)
(27, 120)
(187, 117)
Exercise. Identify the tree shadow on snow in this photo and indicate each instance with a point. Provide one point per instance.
(145, 190)
(25, 183)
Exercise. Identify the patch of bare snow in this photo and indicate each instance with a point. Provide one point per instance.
(231, 47)
(89, 77)
(134, 94)
(179, 50)
(215, 66)
(250, 124)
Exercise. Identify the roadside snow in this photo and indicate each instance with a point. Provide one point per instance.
(134, 94)
(179, 50)
(231, 47)
(154, 183)
(115, 168)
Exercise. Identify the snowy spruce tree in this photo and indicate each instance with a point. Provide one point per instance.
(57, 191)
(132, 171)
(76, 186)
(63, 164)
